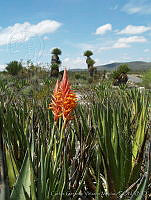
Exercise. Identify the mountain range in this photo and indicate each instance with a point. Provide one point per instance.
(134, 66)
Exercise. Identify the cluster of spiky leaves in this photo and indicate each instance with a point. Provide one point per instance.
(99, 155)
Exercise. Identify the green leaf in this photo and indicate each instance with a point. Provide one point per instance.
(12, 168)
(24, 180)
(142, 187)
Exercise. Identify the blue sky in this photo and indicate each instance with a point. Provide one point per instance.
(115, 30)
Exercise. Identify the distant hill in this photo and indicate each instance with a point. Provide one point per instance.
(134, 66)
(78, 70)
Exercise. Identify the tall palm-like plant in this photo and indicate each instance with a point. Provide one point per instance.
(91, 63)
(88, 53)
(54, 70)
(55, 57)
(55, 60)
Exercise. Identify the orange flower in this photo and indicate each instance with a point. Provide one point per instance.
(64, 99)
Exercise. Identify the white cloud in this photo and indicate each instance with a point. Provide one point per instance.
(2, 67)
(125, 42)
(74, 63)
(146, 50)
(133, 39)
(119, 45)
(23, 32)
(142, 7)
(130, 29)
(132, 10)
(103, 29)
(77, 63)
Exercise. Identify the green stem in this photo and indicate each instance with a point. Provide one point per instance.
(60, 145)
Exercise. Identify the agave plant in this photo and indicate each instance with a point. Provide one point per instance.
(102, 153)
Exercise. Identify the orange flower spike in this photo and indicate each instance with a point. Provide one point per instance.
(68, 97)
(56, 104)
(64, 99)
(56, 87)
(64, 85)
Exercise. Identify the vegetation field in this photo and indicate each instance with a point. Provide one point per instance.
(103, 152)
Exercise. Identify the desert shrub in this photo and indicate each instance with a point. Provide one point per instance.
(115, 74)
(78, 76)
(123, 69)
(90, 80)
(14, 67)
(120, 75)
(147, 79)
